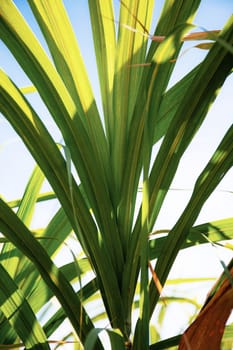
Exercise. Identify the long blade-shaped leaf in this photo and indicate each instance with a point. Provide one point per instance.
(153, 85)
(142, 326)
(18, 234)
(188, 118)
(25, 213)
(46, 153)
(130, 47)
(215, 231)
(104, 36)
(15, 33)
(213, 173)
(19, 313)
(67, 57)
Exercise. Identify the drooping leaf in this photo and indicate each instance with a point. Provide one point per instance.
(19, 313)
(208, 327)
(21, 237)
(215, 231)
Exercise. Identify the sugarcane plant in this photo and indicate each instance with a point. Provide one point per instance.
(96, 169)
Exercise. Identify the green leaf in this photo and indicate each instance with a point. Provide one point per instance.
(168, 48)
(63, 46)
(115, 338)
(167, 343)
(227, 339)
(40, 198)
(45, 151)
(19, 235)
(29, 199)
(215, 231)
(170, 103)
(219, 164)
(25, 212)
(19, 313)
(104, 36)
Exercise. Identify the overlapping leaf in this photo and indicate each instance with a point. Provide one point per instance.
(110, 155)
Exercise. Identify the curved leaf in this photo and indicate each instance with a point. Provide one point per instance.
(210, 177)
(19, 313)
(209, 325)
(215, 231)
(19, 235)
